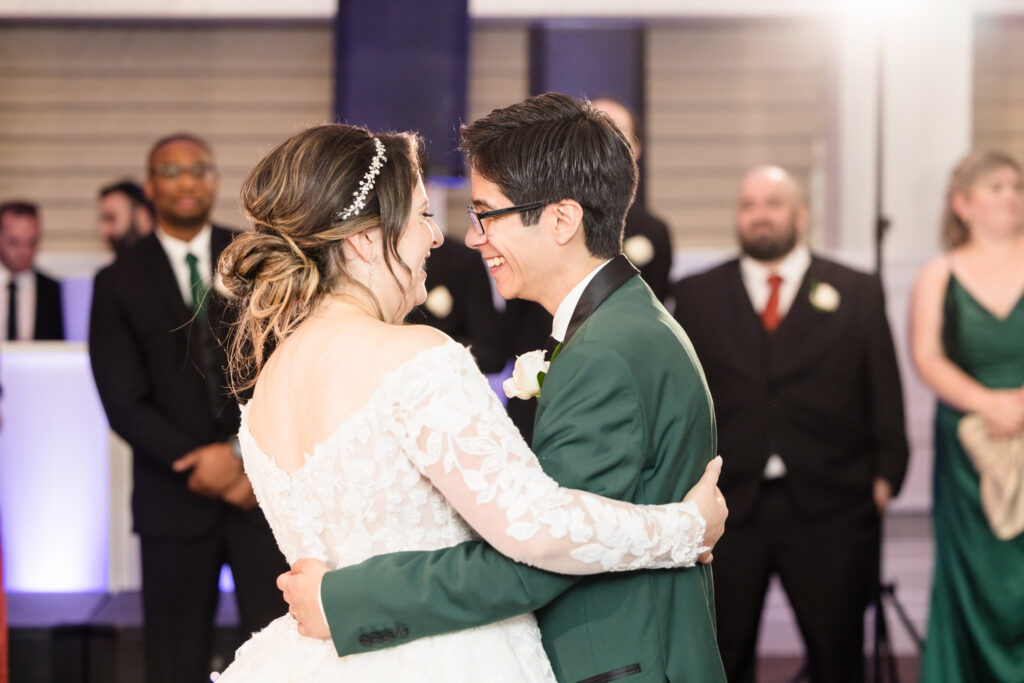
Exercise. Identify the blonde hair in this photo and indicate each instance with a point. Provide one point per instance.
(970, 170)
(293, 260)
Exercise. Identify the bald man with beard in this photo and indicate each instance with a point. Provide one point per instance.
(800, 361)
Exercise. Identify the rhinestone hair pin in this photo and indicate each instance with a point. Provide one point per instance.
(366, 184)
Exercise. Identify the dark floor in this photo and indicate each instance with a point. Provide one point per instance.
(86, 638)
(787, 669)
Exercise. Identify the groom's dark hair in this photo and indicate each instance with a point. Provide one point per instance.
(553, 147)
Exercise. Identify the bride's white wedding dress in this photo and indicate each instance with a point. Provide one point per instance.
(431, 456)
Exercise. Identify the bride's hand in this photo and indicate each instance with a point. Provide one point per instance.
(301, 588)
(709, 499)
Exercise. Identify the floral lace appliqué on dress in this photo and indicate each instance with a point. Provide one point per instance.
(431, 456)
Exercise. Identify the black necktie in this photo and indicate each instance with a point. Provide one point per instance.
(12, 310)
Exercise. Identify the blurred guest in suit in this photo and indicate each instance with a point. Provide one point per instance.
(154, 342)
(125, 215)
(31, 305)
(646, 241)
(800, 361)
(459, 303)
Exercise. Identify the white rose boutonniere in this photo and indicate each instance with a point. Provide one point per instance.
(439, 302)
(824, 297)
(639, 250)
(527, 376)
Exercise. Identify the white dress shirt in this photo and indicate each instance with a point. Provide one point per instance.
(177, 250)
(563, 314)
(791, 269)
(25, 281)
(755, 274)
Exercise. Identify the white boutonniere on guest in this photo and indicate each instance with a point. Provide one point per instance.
(527, 376)
(824, 297)
(639, 250)
(439, 302)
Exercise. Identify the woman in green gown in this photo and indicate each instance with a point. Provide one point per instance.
(967, 341)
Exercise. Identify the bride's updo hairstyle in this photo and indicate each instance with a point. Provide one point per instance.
(296, 197)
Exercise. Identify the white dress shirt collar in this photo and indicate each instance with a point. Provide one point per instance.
(176, 250)
(791, 269)
(563, 315)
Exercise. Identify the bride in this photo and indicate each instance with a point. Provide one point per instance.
(366, 436)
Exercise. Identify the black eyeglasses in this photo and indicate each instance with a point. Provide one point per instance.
(476, 218)
(198, 170)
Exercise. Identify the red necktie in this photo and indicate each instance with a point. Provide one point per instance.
(770, 315)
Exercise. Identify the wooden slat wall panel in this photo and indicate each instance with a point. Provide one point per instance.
(723, 96)
(999, 85)
(499, 67)
(80, 104)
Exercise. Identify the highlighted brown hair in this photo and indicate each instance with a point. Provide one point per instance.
(293, 259)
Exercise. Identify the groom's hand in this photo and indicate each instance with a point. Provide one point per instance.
(301, 588)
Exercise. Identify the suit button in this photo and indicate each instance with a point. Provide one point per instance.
(364, 641)
(376, 638)
(388, 636)
(402, 632)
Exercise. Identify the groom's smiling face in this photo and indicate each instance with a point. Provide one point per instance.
(515, 254)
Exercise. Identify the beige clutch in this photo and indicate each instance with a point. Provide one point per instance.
(1000, 466)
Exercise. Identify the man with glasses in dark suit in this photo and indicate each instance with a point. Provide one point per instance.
(155, 342)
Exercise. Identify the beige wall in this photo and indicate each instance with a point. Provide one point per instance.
(80, 104)
(998, 103)
(723, 96)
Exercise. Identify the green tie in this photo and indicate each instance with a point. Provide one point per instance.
(198, 287)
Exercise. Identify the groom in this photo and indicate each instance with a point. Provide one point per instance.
(624, 412)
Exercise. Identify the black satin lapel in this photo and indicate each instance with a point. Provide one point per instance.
(610, 278)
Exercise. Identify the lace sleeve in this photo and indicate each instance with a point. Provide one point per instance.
(454, 429)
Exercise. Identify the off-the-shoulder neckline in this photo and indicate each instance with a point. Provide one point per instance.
(385, 380)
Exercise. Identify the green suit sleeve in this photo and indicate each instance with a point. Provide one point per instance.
(589, 435)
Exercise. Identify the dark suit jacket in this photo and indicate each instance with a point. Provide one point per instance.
(472, 321)
(161, 378)
(49, 314)
(655, 272)
(823, 391)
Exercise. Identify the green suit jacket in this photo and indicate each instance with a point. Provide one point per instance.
(625, 413)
